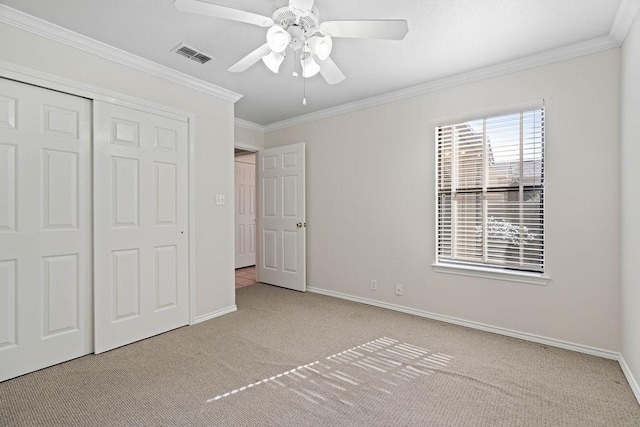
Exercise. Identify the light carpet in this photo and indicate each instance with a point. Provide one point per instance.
(294, 359)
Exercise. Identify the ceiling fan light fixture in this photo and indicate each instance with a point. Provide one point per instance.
(273, 61)
(321, 46)
(309, 67)
(278, 38)
(295, 25)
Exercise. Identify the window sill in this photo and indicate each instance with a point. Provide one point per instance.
(492, 273)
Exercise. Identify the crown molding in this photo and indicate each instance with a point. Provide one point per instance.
(624, 20)
(548, 57)
(59, 34)
(246, 124)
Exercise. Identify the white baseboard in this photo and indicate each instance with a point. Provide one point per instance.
(630, 378)
(607, 354)
(214, 314)
(475, 325)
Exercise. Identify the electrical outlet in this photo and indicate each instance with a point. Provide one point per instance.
(374, 285)
(398, 289)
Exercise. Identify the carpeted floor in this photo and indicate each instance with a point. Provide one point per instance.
(292, 359)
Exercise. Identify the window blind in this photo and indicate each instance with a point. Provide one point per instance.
(490, 189)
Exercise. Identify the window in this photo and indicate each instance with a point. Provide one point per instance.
(490, 187)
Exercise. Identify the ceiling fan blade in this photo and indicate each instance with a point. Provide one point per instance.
(217, 11)
(382, 29)
(330, 71)
(250, 59)
(303, 7)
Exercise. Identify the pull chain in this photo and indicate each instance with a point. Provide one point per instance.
(304, 90)
(304, 86)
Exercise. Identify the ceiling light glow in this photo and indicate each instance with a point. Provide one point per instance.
(309, 67)
(273, 61)
(321, 46)
(278, 38)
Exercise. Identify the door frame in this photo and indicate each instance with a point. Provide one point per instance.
(46, 80)
(254, 149)
(251, 149)
(247, 147)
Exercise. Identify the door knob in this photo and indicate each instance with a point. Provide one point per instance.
(299, 225)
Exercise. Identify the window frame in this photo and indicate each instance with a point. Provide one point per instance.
(478, 269)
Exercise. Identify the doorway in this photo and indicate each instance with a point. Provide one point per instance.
(270, 210)
(245, 217)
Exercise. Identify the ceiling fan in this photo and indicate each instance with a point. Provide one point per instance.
(297, 26)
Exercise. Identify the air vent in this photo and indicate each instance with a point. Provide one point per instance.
(201, 58)
(192, 54)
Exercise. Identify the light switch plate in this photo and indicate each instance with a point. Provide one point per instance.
(219, 199)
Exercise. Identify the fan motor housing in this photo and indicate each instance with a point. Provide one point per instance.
(297, 37)
(285, 17)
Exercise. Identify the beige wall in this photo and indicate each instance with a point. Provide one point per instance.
(247, 158)
(213, 147)
(630, 154)
(251, 137)
(371, 212)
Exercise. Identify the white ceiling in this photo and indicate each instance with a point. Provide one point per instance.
(446, 37)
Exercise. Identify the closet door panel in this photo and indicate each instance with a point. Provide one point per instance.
(141, 224)
(45, 228)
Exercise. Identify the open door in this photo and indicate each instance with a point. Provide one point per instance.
(245, 210)
(281, 217)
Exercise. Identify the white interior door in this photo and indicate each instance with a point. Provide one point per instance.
(141, 225)
(281, 217)
(45, 228)
(245, 183)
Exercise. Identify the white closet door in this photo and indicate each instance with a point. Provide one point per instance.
(141, 225)
(245, 199)
(45, 228)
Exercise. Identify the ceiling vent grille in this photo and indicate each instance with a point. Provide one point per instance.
(191, 53)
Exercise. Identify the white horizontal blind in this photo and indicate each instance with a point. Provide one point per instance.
(491, 191)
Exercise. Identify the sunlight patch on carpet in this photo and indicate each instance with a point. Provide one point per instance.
(372, 370)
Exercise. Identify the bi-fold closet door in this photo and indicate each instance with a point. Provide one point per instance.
(45, 228)
(141, 225)
(135, 236)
